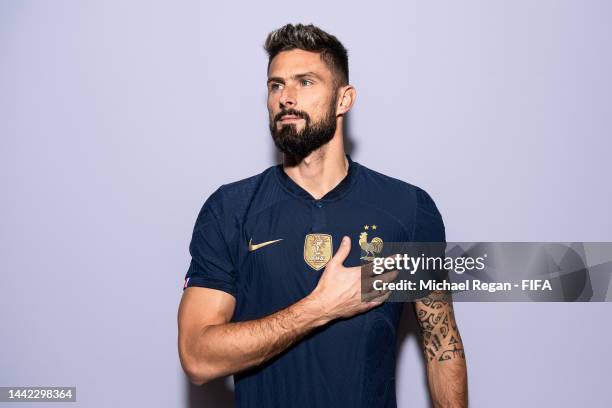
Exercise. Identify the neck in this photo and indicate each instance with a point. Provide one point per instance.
(321, 170)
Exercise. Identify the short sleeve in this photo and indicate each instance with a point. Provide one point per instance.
(428, 223)
(429, 230)
(211, 265)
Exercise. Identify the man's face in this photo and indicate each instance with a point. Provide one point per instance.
(301, 102)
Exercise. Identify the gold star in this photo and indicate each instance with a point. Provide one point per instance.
(365, 227)
(373, 226)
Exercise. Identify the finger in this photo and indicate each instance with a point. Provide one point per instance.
(389, 276)
(368, 283)
(373, 294)
(368, 269)
(342, 252)
(379, 299)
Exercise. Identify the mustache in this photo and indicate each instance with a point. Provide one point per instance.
(293, 112)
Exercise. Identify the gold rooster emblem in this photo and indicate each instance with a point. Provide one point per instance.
(371, 248)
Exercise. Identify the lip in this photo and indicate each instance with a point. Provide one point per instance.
(289, 118)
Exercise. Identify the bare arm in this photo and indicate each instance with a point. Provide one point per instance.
(230, 347)
(443, 349)
(210, 346)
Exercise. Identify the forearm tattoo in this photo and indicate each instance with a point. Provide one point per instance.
(441, 338)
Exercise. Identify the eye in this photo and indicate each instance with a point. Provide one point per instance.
(306, 82)
(274, 86)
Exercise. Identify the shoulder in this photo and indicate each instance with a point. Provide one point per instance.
(408, 202)
(230, 203)
(394, 188)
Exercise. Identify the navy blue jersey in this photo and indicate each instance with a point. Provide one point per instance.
(265, 240)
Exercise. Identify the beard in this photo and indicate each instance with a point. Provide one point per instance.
(299, 145)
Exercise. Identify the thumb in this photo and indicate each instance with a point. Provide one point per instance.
(342, 252)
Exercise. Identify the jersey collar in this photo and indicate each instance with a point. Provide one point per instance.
(337, 192)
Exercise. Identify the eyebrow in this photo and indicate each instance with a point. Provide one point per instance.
(294, 77)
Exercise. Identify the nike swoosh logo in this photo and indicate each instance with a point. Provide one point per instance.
(253, 247)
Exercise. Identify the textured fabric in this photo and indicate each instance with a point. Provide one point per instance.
(350, 362)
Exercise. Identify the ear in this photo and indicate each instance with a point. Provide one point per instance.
(346, 98)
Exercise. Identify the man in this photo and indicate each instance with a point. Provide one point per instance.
(273, 291)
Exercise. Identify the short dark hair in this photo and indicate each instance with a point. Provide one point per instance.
(310, 38)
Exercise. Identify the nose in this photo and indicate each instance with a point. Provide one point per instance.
(288, 97)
